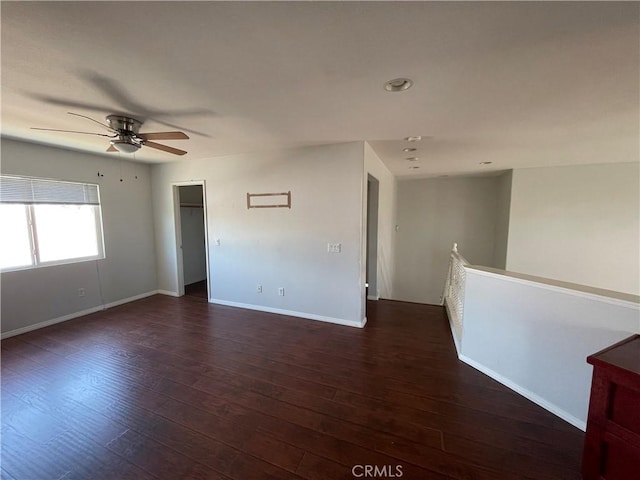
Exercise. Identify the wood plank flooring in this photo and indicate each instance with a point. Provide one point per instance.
(176, 388)
(197, 289)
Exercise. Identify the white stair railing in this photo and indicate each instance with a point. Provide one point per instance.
(453, 296)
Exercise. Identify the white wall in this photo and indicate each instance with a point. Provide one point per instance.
(37, 295)
(432, 215)
(578, 224)
(534, 336)
(277, 247)
(387, 197)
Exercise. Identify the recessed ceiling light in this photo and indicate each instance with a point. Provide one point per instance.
(398, 85)
(486, 163)
(407, 149)
(413, 159)
(417, 138)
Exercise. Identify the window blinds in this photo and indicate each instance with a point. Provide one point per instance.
(25, 190)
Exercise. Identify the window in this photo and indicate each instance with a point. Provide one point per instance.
(48, 222)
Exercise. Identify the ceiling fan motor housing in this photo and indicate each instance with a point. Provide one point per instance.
(127, 128)
(124, 125)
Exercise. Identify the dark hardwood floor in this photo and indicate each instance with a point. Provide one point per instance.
(176, 388)
(198, 289)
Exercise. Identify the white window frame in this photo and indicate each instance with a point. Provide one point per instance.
(33, 235)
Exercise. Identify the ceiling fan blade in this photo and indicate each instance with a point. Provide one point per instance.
(94, 121)
(165, 148)
(112, 149)
(163, 122)
(73, 131)
(164, 136)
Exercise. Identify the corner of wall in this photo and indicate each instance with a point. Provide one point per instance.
(387, 217)
(154, 213)
(129, 268)
(255, 246)
(503, 215)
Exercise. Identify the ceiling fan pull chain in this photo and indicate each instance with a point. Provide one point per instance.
(135, 166)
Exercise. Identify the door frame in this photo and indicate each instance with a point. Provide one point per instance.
(178, 230)
(371, 241)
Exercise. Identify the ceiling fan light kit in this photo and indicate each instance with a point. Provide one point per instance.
(126, 145)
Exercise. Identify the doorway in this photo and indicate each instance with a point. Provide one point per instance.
(373, 187)
(191, 239)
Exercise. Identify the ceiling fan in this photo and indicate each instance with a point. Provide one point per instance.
(126, 137)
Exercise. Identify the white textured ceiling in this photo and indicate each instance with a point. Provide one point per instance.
(517, 84)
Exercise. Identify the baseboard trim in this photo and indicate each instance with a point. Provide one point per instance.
(373, 297)
(71, 316)
(47, 323)
(167, 292)
(129, 299)
(538, 400)
(410, 302)
(290, 313)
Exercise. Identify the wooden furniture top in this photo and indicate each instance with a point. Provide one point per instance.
(624, 355)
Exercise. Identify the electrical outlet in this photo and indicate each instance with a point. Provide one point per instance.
(281, 291)
(259, 289)
(81, 292)
(334, 247)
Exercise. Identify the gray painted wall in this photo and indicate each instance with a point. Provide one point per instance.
(191, 195)
(432, 215)
(578, 224)
(502, 220)
(193, 248)
(373, 190)
(38, 295)
(194, 258)
(275, 247)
